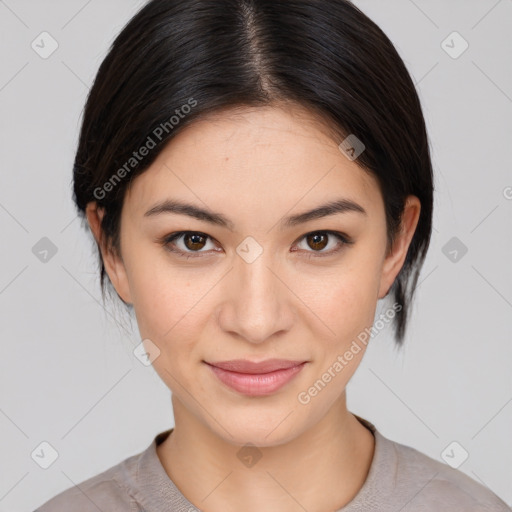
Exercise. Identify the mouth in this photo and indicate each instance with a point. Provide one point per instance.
(256, 379)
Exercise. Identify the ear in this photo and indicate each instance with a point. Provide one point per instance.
(395, 259)
(113, 263)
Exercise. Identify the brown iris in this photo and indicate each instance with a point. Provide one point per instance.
(319, 240)
(197, 241)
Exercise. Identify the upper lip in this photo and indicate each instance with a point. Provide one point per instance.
(250, 367)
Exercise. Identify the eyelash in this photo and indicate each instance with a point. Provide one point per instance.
(167, 240)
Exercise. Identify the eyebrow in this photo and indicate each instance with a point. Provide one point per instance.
(178, 207)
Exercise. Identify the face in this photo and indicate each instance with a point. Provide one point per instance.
(245, 281)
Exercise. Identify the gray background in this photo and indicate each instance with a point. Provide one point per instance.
(68, 375)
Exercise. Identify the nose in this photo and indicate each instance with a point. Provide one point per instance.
(258, 303)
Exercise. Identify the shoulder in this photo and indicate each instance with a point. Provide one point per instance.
(438, 486)
(107, 490)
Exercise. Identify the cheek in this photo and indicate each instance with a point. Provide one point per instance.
(169, 313)
(344, 298)
(165, 297)
(166, 308)
(350, 311)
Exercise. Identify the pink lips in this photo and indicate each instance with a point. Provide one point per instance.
(256, 379)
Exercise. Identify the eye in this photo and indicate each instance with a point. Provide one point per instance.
(191, 242)
(319, 240)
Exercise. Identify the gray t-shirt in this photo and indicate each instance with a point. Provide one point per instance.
(400, 479)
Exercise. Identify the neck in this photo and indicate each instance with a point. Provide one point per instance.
(322, 469)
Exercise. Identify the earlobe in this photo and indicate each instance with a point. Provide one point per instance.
(396, 257)
(114, 266)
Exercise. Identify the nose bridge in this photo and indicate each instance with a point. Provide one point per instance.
(259, 306)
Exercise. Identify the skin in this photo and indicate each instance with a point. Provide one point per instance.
(256, 166)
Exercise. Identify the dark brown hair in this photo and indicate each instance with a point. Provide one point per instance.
(178, 61)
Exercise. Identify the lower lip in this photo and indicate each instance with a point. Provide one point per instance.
(257, 384)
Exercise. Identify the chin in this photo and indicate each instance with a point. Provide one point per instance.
(263, 430)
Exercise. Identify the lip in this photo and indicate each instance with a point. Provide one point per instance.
(256, 379)
(251, 367)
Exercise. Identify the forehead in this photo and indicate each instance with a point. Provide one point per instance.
(252, 159)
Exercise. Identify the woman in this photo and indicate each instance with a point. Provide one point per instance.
(257, 175)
